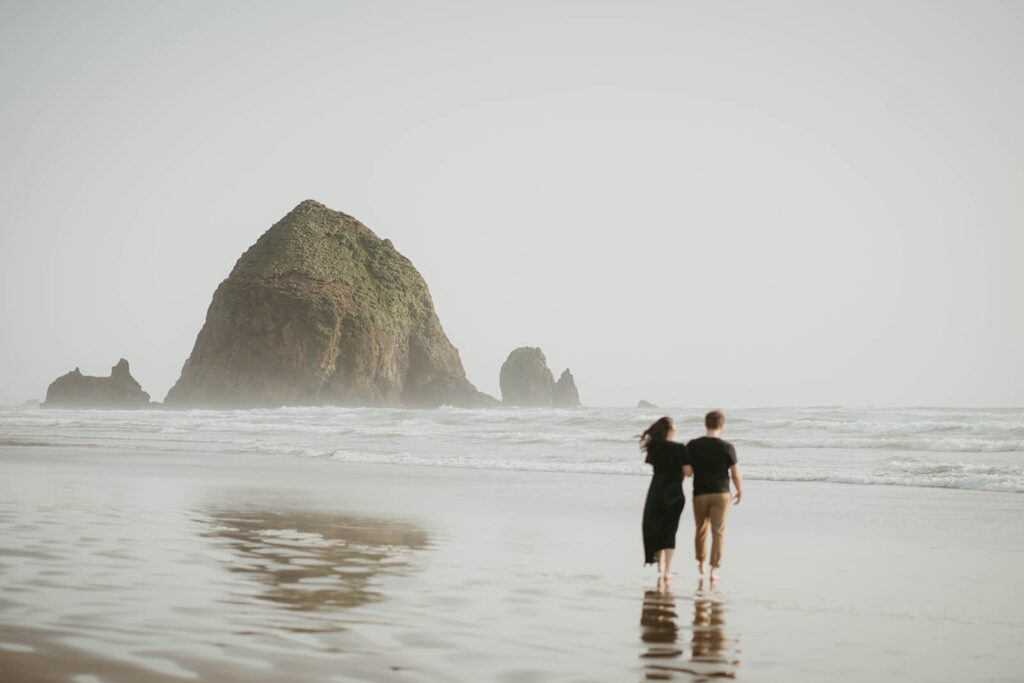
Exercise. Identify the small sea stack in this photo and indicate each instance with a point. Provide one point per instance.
(75, 390)
(526, 381)
(566, 394)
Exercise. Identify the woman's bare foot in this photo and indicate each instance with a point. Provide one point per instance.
(665, 562)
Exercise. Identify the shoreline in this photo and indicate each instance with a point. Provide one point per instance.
(940, 449)
(208, 456)
(256, 568)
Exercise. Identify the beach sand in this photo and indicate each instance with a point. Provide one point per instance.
(143, 566)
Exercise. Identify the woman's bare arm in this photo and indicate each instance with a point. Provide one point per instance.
(737, 481)
(687, 471)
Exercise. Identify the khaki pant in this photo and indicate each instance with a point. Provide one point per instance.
(710, 509)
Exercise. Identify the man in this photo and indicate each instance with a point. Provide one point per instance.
(713, 461)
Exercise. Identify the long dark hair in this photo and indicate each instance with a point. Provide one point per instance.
(656, 433)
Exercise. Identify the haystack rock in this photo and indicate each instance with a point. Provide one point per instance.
(566, 393)
(526, 380)
(75, 390)
(322, 311)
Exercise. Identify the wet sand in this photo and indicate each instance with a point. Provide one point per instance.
(143, 566)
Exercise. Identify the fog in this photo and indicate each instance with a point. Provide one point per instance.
(728, 204)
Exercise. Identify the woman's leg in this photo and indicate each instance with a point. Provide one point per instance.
(668, 553)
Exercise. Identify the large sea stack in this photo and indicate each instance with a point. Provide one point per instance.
(75, 390)
(322, 311)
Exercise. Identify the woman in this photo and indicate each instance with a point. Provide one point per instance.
(665, 499)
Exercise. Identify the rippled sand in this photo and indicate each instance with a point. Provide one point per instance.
(151, 566)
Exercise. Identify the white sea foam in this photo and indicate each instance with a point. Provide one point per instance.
(959, 448)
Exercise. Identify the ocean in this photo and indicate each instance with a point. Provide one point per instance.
(960, 448)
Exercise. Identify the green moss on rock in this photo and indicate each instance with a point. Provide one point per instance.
(321, 311)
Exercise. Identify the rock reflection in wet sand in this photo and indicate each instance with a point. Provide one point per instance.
(712, 653)
(308, 560)
(233, 593)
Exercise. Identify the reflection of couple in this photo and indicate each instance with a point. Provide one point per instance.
(712, 656)
(711, 461)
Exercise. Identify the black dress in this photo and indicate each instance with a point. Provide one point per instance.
(665, 499)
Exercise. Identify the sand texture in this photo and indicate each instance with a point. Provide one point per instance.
(142, 566)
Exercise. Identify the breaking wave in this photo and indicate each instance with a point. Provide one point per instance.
(980, 449)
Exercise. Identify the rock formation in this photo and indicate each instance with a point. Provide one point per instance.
(322, 311)
(566, 393)
(526, 380)
(645, 404)
(75, 390)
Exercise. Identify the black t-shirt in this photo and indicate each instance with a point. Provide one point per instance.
(668, 457)
(711, 459)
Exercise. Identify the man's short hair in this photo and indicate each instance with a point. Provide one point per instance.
(714, 420)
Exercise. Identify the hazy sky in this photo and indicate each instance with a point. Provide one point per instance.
(708, 204)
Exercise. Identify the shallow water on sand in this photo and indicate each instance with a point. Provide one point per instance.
(695, 643)
(119, 567)
(182, 572)
(123, 584)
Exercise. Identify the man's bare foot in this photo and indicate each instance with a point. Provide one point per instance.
(701, 569)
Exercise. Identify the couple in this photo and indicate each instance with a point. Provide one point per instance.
(710, 461)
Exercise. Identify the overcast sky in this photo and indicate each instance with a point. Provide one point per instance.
(701, 204)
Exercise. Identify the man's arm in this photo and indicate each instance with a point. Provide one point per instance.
(737, 481)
